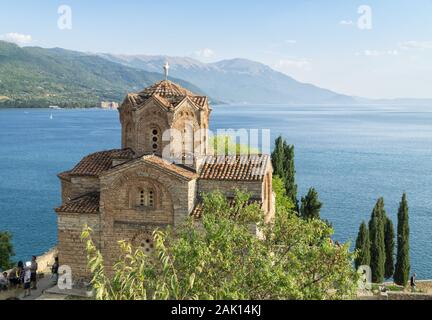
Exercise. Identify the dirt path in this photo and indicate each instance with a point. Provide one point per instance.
(43, 284)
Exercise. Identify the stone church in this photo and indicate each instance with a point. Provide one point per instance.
(125, 194)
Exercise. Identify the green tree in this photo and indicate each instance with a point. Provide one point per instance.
(284, 167)
(362, 247)
(389, 248)
(283, 203)
(223, 259)
(6, 250)
(378, 253)
(402, 268)
(226, 145)
(278, 158)
(310, 205)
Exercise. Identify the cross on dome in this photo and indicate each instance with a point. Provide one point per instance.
(166, 69)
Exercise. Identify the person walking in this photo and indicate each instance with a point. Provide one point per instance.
(33, 270)
(27, 280)
(413, 283)
(20, 273)
(54, 270)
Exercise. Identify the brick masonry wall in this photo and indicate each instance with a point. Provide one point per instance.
(408, 296)
(78, 186)
(72, 251)
(122, 219)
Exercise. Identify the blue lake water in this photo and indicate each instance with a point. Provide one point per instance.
(351, 155)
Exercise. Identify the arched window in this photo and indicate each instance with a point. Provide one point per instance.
(145, 241)
(142, 198)
(145, 198)
(147, 244)
(151, 199)
(188, 139)
(155, 139)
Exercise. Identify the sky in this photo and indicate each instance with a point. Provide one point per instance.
(375, 48)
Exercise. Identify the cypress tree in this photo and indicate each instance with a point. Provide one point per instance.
(402, 269)
(290, 184)
(389, 248)
(278, 158)
(376, 230)
(362, 247)
(284, 167)
(310, 205)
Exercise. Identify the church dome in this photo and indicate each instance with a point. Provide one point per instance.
(168, 93)
(165, 89)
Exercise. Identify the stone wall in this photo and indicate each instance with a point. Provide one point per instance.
(408, 296)
(72, 251)
(78, 186)
(123, 220)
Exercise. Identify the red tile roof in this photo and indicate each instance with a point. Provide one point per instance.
(166, 89)
(168, 93)
(96, 163)
(238, 167)
(161, 163)
(200, 100)
(87, 204)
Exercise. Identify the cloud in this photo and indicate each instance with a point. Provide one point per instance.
(16, 38)
(346, 22)
(285, 64)
(378, 53)
(416, 44)
(204, 53)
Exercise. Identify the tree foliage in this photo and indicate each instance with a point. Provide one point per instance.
(6, 250)
(310, 205)
(226, 145)
(35, 77)
(377, 238)
(402, 268)
(284, 204)
(362, 247)
(219, 257)
(284, 167)
(389, 236)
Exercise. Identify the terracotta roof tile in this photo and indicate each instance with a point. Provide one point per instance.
(197, 212)
(96, 163)
(168, 93)
(161, 163)
(166, 89)
(200, 100)
(239, 167)
(87, 204)
(64, 175)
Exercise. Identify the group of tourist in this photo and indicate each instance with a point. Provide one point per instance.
(25, 276)
(22, 276)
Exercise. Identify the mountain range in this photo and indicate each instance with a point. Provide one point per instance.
(39, 77)
(236, 80)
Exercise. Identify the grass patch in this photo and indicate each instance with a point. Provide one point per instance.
(395, 288)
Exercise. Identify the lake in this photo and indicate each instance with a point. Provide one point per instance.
(351, 155)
